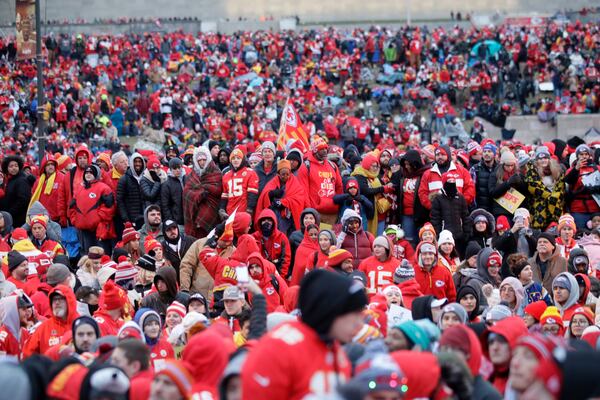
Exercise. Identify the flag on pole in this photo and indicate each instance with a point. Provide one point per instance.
(291, 128)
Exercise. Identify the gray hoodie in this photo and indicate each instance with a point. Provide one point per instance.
(53, 230)
(573, 293)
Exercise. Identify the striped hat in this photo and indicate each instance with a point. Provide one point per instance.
(177, 372)
(125, 270)
(337, 257)
(129, 233)
(178, 308)
(566, 220)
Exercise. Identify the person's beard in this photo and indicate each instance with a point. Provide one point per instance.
(61, 313)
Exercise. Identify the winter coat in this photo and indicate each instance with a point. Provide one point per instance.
(12, 335)
(50, 200)
(53, 230)
(482, 174)
(431, 182)
(171, 199)
(151, 189)
(284, 369)
(130, 201)
(297, 236)
(51, 331)
(160, 301)
(263, 177)
(579, 197)
(407, 192)
(546, 206)
(555, 265)
(17, 193)
(481, 276)
(73, 182)
(174, 256)
(437, 282)
(193, 275)
(322, 181)
(359, 244)
(273, 293)
(275, 248)
(451, 214)
(483, 239)
(303, 254)
(92, 209)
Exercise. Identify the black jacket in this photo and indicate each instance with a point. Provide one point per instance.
(129, 198)
(151, 188)
(482, 175)
(17, 194)
(174, 257)
(451, 214)
(498, 189)
(263, 177)
(159, 301)
(171, 199)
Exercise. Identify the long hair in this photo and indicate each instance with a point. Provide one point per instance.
(553, 167)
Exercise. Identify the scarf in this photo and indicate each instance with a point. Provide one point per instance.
(374, 182)
(116, 174)
(47, 184)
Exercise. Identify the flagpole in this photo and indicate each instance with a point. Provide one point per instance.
(41, 134)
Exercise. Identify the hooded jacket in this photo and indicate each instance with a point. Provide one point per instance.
(274, 294)
(151, 189)
(379, 273)
(12, 335)
(171, 198)
(437, 282)
(145, 231)
(468, 289)
(511, 328)
(276, 247)
(207, 355)
(49, 198)
(17, 192)
(302, 257)
(483, 239)
(482, 174)
(407, 188)
(51, 331)
(53, 230)
(322, 181)
(297, 236)
(130, 201)
(359, 244)
(159, 301)
(92, 207)
(566, 310)
(482, 276)
(222, 268)
(359, 203)
(73, 182)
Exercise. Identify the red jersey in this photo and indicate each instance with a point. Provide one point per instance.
(379, 273)
(107, 325)
(236, 186)
(293, 363)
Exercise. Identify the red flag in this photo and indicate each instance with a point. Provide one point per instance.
(291, 128)
(319, 84)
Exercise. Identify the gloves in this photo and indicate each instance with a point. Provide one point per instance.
(277, 204)
(223, 215)
(154, 176)
(516, 178)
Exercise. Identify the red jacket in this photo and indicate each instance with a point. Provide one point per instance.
(437, 282)
(12, 335)
(322, 181)
(73, 182)
(276, 248)
(50, 200)
(93, 207)
(51, 331)
(410, 290)
(431, 182)
(223, 269)
(108, 326)
(273, 295)
(161, 351)
(582, 201)
(292, 362)
(140, 385)
(236, 187)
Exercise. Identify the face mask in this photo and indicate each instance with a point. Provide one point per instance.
(450, 189)
(266, 230)
(92, 308)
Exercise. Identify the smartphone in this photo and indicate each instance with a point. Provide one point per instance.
(519, 219)
(242, 274)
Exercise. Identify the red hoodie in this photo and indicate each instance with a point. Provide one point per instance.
(51, 331)
(206, 356)
(223, 269)
(438, 281)
(511, 328)
(322, 181)
(410, 290)
(73, 182)
(276, 248)
(265, 282)
(292, 363)
(12, 335)
(50, 200)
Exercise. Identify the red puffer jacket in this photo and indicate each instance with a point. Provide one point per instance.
(91, 206)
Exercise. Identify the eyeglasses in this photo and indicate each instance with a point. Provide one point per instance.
(580, 322)
(551, 328)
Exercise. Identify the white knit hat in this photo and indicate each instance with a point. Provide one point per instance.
(445, 237)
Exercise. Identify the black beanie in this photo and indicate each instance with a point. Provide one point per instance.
(549, 237)
(472, 249)
(326, 295)
(15, 259)
(147, 262)
(84, 320)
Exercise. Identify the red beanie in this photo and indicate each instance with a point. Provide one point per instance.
(151, 244)
(337, 257)
(536, 309)
(502, 223)
(113, 297)
(39, 219)
(178, 308)
(240, 222)
(19, 234)
(368, 161)
(129, 234)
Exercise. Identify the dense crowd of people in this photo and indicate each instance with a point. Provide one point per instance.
(394, 255)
